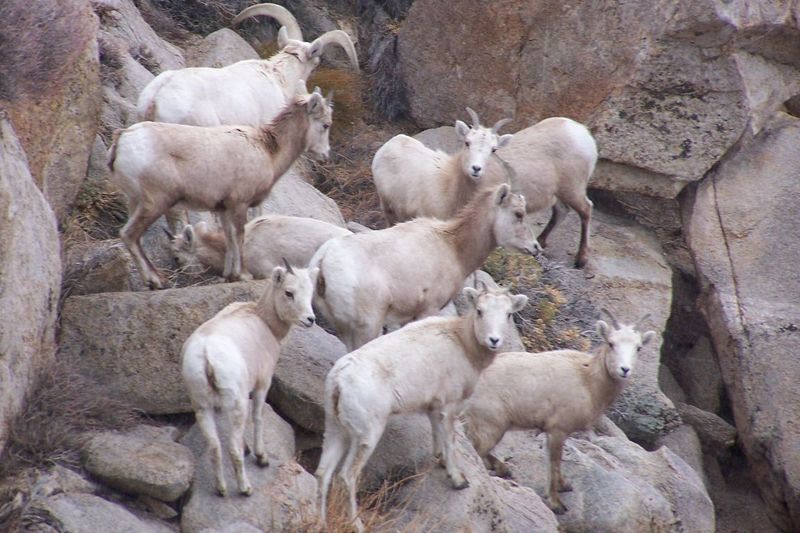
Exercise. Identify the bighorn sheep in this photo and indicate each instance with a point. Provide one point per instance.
(413, 180)
(430, 366)
(558, 392)
(222, 168)
(250, 92)
(233, 355)
(550, 163)
(266, 240)
(411, 270)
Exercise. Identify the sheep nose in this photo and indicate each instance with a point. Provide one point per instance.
(476, 169)
(311, 320)
(494, 341)
(624, 370)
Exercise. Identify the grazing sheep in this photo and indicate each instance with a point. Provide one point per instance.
(549, 163)
(250, 92)
(430, 366)
(267, 239)
(233, 355)
(558, 392)
(411, 270)
(412, 180)
(224, 168)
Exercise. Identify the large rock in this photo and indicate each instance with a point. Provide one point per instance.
(30, 277)
(85, 513)
(292, 195)
(744, 240)
(429, 503)
(617, 485)
(137, 464)
(219, 49)
(53, 97)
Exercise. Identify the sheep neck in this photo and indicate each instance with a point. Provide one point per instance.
(265, 309)
(471, 232)
(605, 388)
(284, 138)
(464, 187)
(478, 355)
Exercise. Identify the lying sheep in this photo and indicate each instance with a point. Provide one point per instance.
(267, 239)
(558, 392)
(411, 270)
(412, 180)
(549, 163)
(224, 168)
(233, 356)
(430, 366)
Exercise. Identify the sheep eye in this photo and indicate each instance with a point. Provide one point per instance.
(519, 216)
(480, 313)
(509, 316)
(638, 348)
(466, 143)
(289, 294)
(611, 345)
(326, 126)
(494, 150)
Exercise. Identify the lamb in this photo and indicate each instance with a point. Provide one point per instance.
(411, 270)
(222, 168)
(429, 366)
(250, 92)
(413, 180)
(558, 392)
(266, 240)
(233, 355)
(550, 163)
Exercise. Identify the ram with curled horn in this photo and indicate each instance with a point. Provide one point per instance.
(249, 92)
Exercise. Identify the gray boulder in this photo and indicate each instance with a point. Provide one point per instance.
(85, 513)
(219, 49)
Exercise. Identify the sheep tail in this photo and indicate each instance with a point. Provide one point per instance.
(321, 282)
(112, 153)
(210, 377)
(335, 401)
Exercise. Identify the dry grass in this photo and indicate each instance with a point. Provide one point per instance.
(100, 210)
(348, 106)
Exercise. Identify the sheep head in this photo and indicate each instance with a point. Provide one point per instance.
(511, 229)
(479, 144)
(492, 312)
(292, 291)
(320, 115)
(623, 343)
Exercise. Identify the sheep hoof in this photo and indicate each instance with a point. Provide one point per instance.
(246, 450)
(558, 507)
(565, 487)
(581, 261)
(503, 472)
(246, 491)
(262, 461)
(222, 491)
(460, 485)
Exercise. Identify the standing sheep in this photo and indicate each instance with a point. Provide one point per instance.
(224, 168)
(412, 180)
(411, 270)
(430, 366)
(558, 392)
(267, 239)
(233, 355)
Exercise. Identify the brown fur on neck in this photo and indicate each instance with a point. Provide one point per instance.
(479, 355)
(265, 309)
(605, 388)
(470, 232)
(285, 128)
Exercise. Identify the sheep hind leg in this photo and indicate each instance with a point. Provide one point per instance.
(205, 419)
(334, 447)
(584, 210)
(233, 223)
(559, 211)
(131, 235)
(238, 419)
(555, 445)
(259, 397)
(437, 432)
(357, 456)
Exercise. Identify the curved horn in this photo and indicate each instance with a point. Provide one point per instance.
(279, 13)
(500, 123)
(614, 321)
(474, 117)
(641, 320)
(341, 38)
(288, 266)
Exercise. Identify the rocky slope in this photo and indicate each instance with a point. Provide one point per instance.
(695, 109)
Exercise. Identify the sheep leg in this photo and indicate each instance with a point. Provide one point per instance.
(233, 224)
(361, 335)
(334, 447)
(558, 215)
(358, 454)
(131, 235)
(555, 445)
(177, 219)
(457, 478)
(205, 419)
(584, 210)
(437, 432)
(238, 418)
(259, 397)
(498, 465)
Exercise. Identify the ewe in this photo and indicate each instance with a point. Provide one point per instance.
(233, 355)
(267, 239)
(411, 270)
(549, 163)
(558, 392)
(223, 168)
(429, 366)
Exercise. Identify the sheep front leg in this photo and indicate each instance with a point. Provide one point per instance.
(457, 478)
(259, 397)
(131, 235)
(437, 432)
(555, 445)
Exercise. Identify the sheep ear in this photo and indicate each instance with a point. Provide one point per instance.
(283, 37)
(648, 337)
(518, 301)
(315, 49)
(470, 294)
(329, 98)
(314, 103)
(502, 193)
(189, 237)
(603, 329)
(504, 140)
(461, 129)
(278, 275)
